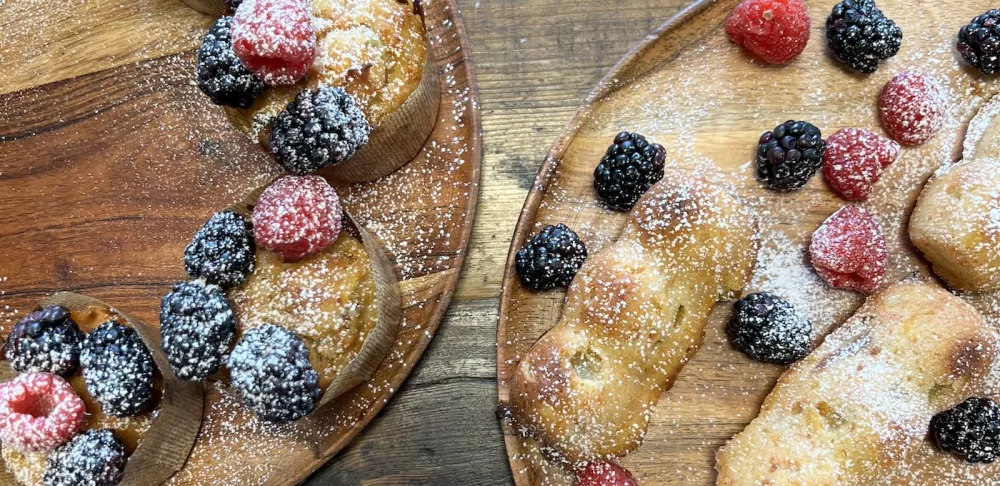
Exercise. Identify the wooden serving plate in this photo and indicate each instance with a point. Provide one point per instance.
(111, 159)
(707, 101)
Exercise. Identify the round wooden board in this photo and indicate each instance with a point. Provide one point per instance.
(707, 101)
(107, 170)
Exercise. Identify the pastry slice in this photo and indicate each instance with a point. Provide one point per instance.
(633, 316)
(850, 411)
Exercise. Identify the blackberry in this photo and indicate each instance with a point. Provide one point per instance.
(118, 369)
(91, 458)
(861, 36)
(46, 340)
(979, 42)
(789, 155)
(270, 369)
(233, 4)
(629, 168)
(222, 252)
(197, 324)
(320, 127)
(550, 258)
(971, 430)
(221, 75)
(766, 328)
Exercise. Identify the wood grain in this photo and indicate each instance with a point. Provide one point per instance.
(690, 89)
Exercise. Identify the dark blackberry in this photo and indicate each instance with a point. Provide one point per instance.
(320, 127)
(971, 430)
(46, 340)
(222, 252)
(766, 328)
(629, 168)
(221, 75)
(118, 369)
(91, 458)
(861, 36)
(233, 4)
(789, 155)
(270, 369)
(979, 42)
(197, 325)
(550, 258)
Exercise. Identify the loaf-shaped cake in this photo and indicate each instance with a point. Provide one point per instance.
(633, 315)
(850, 411)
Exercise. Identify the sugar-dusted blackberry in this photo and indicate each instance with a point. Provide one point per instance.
(551, 258)
(320, 127)
(270, 370)
(221, 75)
(789, 155)
(861, 36)
(979, 42)
(766, 328)
(197, 324)
(46, 340)
(971, 429)
(118, 369)
(629, 168)
(91, 458)
(222, 251)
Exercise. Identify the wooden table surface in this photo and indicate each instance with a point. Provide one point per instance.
(536, 61)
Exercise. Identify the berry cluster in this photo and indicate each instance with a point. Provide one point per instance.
(46, 340)
(551, 258)
(766, 328)
(118, 369)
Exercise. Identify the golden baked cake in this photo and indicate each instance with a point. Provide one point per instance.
(850, 411)
(633, 316)
(327, 300)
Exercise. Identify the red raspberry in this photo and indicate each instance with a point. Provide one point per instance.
(274, 39)
(913, 106)
(854, 161)
(297, 216)
(39, 412)
(775, 30)
(848, 251)
(605, 474)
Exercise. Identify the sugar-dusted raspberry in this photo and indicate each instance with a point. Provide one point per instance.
(775, 30)
(604, 474)
(297, 216)
(854, 161)
(913, 106)
(274, 39)
(38, 412)
(848, 251)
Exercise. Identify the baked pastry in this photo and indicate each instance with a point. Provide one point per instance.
(634, 314)
(955, 222)
(851, 410)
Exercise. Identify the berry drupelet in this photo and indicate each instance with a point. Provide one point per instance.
(46, 340)
(197, 324)
(629, 168)
(320, 127)
(118, 369)
(93, 457)
(222, 252)
(766, 328)
(862, 36)
(789, 155)
(221, 75)
(979, 42)
(971, 430)
(551, 258)
(271, 371)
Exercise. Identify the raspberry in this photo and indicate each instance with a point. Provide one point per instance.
(604, 474)
(775, 30)
(913, 107)
(39, 412)
(848, 251)
(854, 161)
(297, 216)
(274, 39)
